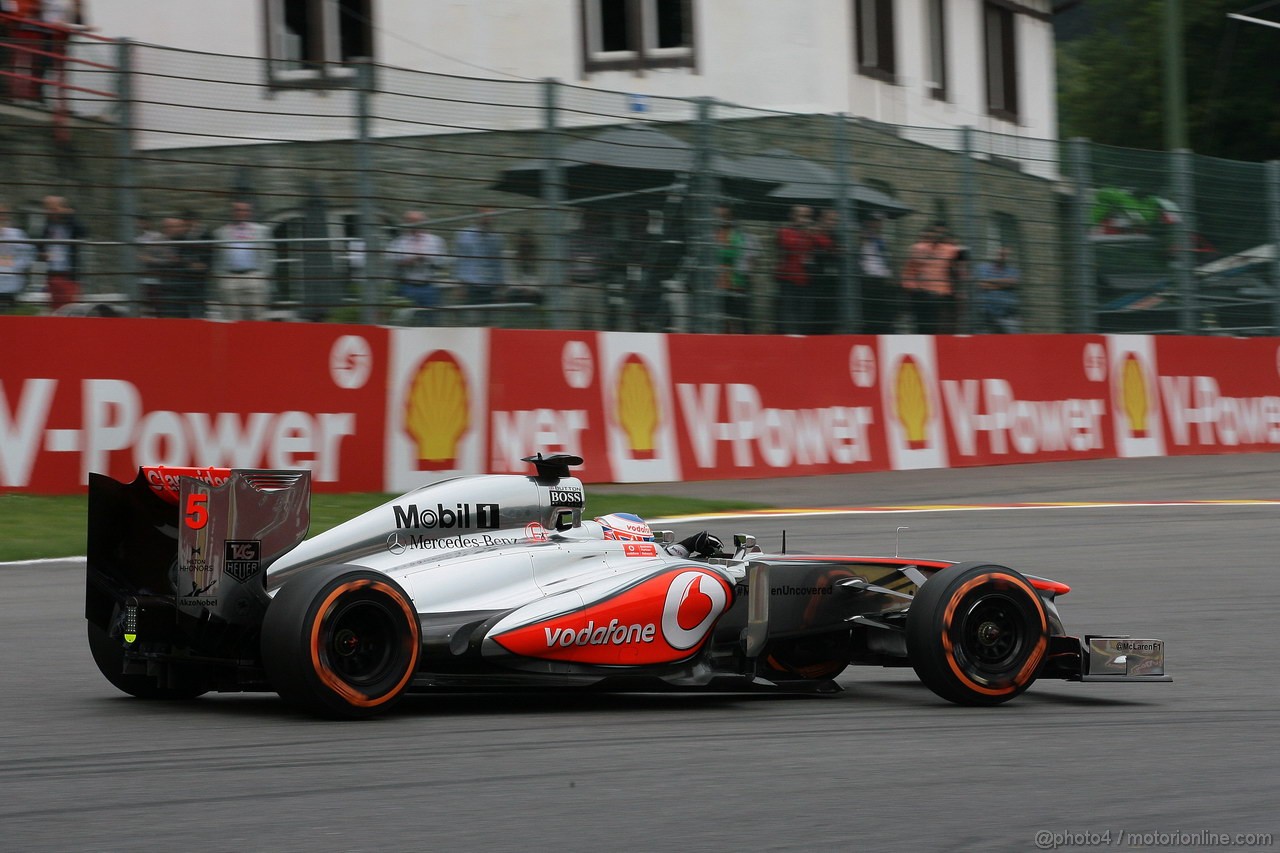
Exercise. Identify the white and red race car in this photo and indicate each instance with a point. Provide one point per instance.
(200, 580)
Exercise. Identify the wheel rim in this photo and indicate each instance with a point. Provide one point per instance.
(993, 633)
(362, 640)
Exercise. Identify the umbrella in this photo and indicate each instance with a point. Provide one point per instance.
(622, 161)
(802, 181)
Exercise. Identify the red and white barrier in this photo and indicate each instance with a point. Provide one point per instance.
(378, 409)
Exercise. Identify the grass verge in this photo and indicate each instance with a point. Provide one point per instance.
(34, 527)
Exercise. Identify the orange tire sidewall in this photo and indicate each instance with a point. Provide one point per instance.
(328, 677)
(1028, 670)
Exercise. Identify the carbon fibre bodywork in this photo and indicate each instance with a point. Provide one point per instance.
(511, 587)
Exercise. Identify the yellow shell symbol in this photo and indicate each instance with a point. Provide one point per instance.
(1133, 394)
(637, 410)
(912, 403)
(437, 411)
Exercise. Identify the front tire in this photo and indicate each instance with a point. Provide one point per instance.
(977, 634)
(341, 642)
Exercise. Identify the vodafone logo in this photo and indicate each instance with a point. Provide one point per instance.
(694, 602)
(662, 619)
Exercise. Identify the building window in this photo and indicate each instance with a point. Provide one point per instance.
(635, 35)
(1002, 62)
(314, 42)
(873, 25)
(937, 72)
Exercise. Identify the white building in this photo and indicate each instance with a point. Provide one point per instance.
(987, 64)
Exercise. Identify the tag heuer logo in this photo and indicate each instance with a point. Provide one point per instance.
(242, 559)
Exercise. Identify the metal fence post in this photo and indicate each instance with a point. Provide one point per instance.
(1086, 317)
(849, 310)
(1183, 228)
(968, 192)
(126, 176)
(370, 297)
(553, 201)
(1273, 234)
(703, 301)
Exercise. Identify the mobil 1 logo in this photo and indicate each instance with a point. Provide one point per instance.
(242, 558)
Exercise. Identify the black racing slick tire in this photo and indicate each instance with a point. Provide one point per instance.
(339, 641)
(977, 634)
(108, 654)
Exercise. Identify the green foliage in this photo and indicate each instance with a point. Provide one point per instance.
(34, 527)
(1111, 80)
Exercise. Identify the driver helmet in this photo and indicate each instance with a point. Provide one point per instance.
(625, 526)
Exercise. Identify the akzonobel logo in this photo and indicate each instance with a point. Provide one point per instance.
(437, 410)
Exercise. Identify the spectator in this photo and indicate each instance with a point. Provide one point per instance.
(879, 299)
(824, 274)
(16, 256)
(419, 259)
(479, 253)
(170, 266)
(734, 259)
(61, 19)
(23, 36)
(590, 253)
(62, 255)
(929, 278)
(794, 246)
(526, 285)
(197, 254)
(997, 296)
(146, 236)
(242, 261)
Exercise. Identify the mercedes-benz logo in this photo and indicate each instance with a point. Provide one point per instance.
(396, 543)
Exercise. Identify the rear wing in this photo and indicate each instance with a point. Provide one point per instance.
(193, 541)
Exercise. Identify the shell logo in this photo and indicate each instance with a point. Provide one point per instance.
(437, 410)
(637, 406)
(912, 403)
(1133, 394)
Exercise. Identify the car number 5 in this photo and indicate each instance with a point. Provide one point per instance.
(197, 514)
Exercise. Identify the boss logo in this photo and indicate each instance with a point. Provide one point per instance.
(567, 497)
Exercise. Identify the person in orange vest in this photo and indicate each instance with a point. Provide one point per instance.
(929, 279)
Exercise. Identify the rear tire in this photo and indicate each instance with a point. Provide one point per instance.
(108, 654)
(341, 642)
(977, 634)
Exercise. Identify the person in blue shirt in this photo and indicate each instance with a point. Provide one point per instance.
(997, 297)
(479, 260)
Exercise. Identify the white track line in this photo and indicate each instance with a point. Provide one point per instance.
(923, 508)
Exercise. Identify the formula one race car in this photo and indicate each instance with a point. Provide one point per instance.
(199, 580)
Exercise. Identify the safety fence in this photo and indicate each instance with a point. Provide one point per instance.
(546, 205)
(376, 408)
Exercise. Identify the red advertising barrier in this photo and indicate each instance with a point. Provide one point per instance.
(1024, 398)
(108, 395)
(758, 407)
(376, 409)
(1219, 395)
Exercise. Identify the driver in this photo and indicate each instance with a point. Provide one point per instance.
(632, 528)
(700, 546)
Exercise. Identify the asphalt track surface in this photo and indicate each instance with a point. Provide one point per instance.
(882, 765)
